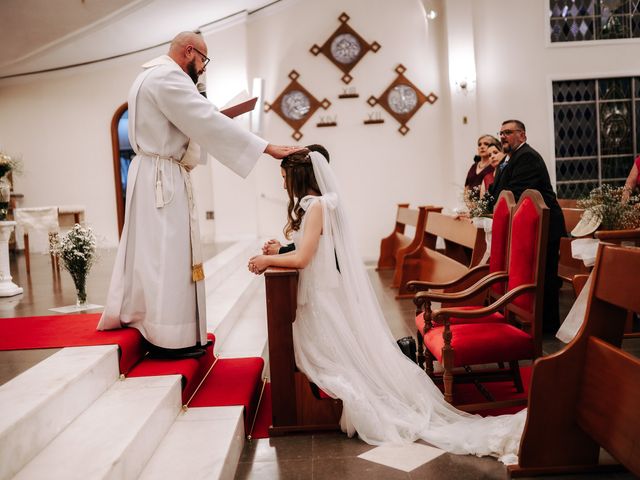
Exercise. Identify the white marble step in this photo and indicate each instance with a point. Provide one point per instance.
(41, 402)
(115, 437)
(220, 267)
(203, 443)
(225, 303)
(248, 338)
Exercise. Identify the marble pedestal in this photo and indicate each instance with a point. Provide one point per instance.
(7, 287)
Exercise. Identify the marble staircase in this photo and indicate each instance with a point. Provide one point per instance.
(72, 416)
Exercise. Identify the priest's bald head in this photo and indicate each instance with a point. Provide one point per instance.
(190, 52)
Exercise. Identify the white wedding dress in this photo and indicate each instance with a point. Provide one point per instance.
(343, 344)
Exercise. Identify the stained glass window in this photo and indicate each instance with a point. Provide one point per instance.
(580, 20)
(597, 132)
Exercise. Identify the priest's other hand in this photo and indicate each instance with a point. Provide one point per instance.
(281, 151)
(271, 247)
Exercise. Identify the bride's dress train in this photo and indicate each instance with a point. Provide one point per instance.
(343, 344)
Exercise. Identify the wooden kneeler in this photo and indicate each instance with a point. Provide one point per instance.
(586, 396)
(295, 408)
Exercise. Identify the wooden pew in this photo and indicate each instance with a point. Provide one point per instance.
(397, 240)
(464, 248)
(423, 212)
(295, 408)
(586, 396)
(569, 267)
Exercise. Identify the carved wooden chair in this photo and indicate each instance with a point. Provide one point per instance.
(38, 220)
(585, 396)
(510, 328)
(501, 227)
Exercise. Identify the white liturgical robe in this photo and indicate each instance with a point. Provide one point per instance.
(152, 288)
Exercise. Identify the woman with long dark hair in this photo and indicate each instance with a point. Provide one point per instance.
(343, 344)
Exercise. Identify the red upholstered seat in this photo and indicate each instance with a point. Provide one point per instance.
(457, 337)
(476, 344)
(495, 317)
(500, 240)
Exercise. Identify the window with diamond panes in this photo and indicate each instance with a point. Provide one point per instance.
(580, 20)
(597, 132)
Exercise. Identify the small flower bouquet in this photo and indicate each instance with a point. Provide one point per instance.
(478, 205)
(605, 206)
(9, 163)
(77, 250)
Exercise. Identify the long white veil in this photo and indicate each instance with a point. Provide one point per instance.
(396, 402)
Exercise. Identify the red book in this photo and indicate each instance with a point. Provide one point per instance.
(240, 108)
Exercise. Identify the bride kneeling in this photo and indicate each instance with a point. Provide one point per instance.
(343, 344)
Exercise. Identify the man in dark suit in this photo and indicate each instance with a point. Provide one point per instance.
(521, 169)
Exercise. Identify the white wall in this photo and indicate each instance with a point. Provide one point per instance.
(60, 122)
(377, 166)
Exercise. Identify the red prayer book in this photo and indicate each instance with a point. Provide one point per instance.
(240, 108)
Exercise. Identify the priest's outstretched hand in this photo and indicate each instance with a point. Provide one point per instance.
(281, 151)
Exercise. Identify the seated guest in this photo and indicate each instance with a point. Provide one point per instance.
(483, 166)
(496, 155)
(633, 180)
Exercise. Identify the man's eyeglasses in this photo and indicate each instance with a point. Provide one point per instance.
(205, 59)
(504, 133)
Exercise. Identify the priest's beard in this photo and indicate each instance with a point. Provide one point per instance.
(191, 71)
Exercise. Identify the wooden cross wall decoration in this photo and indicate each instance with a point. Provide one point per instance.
(295, 105)
(402, 99)
(345, 48)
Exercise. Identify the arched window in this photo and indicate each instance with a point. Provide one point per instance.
(122, 156)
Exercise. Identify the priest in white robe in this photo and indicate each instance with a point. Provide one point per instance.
(157, 285)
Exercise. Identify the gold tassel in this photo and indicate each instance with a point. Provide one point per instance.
(197, 273)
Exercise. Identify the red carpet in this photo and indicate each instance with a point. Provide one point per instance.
(233, 381)
(191, 369)
(57, 331)
(263, 418)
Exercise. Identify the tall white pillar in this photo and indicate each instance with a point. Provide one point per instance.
(7, 287)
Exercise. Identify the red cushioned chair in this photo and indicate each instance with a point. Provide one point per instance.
(497, 265)
(477, 338)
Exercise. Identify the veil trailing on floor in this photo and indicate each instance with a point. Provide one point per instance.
(387, 398)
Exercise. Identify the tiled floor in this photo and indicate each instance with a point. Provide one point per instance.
(334, 456)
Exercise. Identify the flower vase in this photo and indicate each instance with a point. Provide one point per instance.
(5, 196)
(80, 281)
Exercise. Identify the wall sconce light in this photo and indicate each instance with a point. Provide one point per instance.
(431, 14)
(465, 85)
(257, 90)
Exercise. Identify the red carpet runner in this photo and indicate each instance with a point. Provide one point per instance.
(230, 382)
(78, 330)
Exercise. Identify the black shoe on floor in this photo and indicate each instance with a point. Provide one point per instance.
(176, 353)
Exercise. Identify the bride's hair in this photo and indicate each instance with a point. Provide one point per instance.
(300, 180)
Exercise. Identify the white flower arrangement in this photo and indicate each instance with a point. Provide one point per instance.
(77, 250)
(9, 163)
(478, 205)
